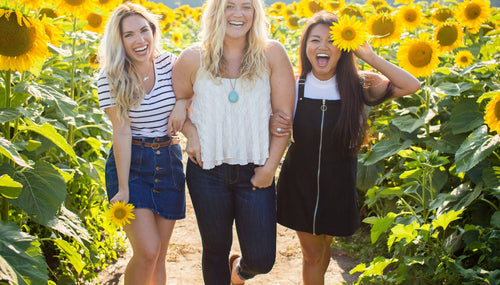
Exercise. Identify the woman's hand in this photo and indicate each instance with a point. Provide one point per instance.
(280, 124)
(364, 52)
(263, 177)
(122, 195)
(193, 149)
(178, 116)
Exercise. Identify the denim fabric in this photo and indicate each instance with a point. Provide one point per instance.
(156, 180)
(220, 196)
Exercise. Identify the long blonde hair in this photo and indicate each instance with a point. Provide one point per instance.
(213, 31)
(124, 80)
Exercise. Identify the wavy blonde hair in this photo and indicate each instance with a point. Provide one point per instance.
(124, 80)
(213, 31)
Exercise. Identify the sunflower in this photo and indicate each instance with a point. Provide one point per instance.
(376, 3)
(492, 114)
(348, 33)
(403, 1)
(441, 15)
(384, 28)
(293, 22)
(472, 13)
(24, 41)
(449, 36)
(76, 8)
(53, 30)
(383, 9)
(108, 5)
(176, 38)
(95, 22)
(121, 213)
(464, 58)
(307, 8)
(334, 5)
(48, 12)
(419, 56)
(352, 10)
(32, 4)
(411, 16)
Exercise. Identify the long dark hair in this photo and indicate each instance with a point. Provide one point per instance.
(349, 130)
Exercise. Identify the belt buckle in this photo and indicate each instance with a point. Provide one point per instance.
(155, 145)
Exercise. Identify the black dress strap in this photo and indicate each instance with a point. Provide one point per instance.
(302, 82)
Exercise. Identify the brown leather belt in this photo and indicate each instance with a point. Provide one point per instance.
(155, 145)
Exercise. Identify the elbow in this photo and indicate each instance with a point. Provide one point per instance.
(415, 86)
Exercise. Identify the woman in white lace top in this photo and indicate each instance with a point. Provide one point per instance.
(236, 77)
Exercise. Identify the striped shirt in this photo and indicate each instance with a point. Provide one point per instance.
(151, 117)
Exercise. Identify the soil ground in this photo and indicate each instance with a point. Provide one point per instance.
(184, 258)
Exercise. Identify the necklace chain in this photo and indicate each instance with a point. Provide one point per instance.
(231, 82)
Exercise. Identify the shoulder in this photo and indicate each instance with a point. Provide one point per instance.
(275, 52)
(165, 56)
(102, 81)
(190, 58)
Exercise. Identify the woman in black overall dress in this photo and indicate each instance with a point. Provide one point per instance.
(316, 191)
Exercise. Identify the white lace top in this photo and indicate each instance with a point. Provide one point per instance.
(232, 133)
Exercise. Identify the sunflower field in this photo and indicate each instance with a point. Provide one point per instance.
(428, 175)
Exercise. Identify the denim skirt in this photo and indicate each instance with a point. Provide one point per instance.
(156, 179)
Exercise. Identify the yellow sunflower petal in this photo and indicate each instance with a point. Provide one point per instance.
(472, 13)
(348, 33)
(464, 58)
(419, 56)
(492, 114)
(21, 45)
(449, 36)
(121, 213)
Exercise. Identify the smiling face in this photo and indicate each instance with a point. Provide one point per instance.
(137, 38)
(322, 54)
(239, 17)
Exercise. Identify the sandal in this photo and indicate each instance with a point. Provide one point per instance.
(232, 260)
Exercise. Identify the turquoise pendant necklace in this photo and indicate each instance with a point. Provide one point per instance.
(233, 96)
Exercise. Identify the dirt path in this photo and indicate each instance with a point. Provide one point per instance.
(184, 259)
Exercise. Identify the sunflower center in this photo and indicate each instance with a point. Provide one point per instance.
(74, 2)
(348, 33)
(447, 35)
(293, 21)
(120, 214)
(334, 4)
(94, 20)
(497, 110)
(410, 16)
(443, 14)
(16, 40)
(420, 54)
(315, 7)
(351, 11)
(472, 11)
(464, 59)
(103, 1)
(383, 28)
(49, 13)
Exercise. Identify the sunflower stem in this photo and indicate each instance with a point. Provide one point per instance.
(4, 212)
(71, 128)
(427, 103)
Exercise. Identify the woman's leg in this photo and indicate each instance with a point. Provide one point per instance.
(165, 228)
(143, 235)
(255, 212)
(315, 257)
(214, 209)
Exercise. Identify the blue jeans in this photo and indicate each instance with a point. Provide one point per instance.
(220, 196)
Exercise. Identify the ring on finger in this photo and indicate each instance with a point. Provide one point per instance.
(278, 129)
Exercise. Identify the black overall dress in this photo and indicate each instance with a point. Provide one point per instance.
(332, 207)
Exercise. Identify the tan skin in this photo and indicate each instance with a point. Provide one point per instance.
(282, 90)
(316, 248)
(149, 234)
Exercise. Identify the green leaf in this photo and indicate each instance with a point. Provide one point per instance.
(413, 173)
(368, 175)
(385, 148)
(378, 265)
(9, 114)
(50, 133)
(8, 150)
(400, 232)
(9, 188)
(44, 189)
(7, 272)
(465, 117)
(475, 148)
(408, 123)
(492, 180)
(447, 88)
(445, 219)
(69, 224)
(381, 225)
(495, 220)
(73, 256)
(22, 253)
